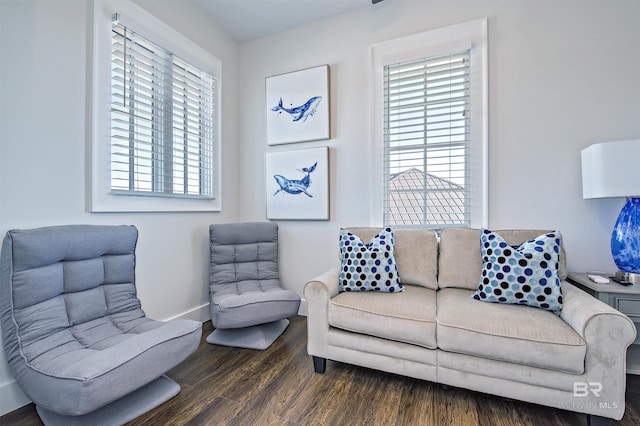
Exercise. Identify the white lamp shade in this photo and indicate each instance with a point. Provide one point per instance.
(611, 169)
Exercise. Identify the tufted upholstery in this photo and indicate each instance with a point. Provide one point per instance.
(244, 280)
(74, 332)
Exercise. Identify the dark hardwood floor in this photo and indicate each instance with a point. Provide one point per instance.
(232, 386)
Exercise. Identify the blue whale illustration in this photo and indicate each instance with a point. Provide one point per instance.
(294, 186)
(301, 112)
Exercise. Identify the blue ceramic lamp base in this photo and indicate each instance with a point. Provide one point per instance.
(625, 241)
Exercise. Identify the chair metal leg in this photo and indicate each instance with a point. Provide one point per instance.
(121, 410)
(258, 337)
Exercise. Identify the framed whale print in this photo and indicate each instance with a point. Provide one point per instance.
(297, 184)
(297, 106)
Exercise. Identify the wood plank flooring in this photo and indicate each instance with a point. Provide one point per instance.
(232, 386)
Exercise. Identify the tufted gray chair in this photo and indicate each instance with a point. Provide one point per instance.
(249, 308)
(76, 338)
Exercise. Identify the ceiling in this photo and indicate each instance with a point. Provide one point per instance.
(247, 20)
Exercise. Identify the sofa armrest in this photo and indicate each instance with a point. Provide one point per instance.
(318, 292)
(580, 308)
(607, 333)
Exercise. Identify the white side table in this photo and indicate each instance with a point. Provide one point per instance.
(626, 299)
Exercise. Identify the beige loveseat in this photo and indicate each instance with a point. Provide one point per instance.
(435, 331)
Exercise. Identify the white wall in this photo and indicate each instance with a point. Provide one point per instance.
(43, 144)
(562, 75)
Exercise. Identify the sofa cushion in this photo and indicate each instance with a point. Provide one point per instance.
(416, 253)
(407, 317)
(368, 267)
(511, 333)
(461, 246)
(526, 274)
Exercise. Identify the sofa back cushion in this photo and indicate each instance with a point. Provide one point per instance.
(243, 258)
(416, 253)
(59, 284)
(460, 261)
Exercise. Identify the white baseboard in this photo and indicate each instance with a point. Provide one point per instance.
(201, 313)
(11, 397)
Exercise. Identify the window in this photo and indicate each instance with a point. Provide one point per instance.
(162, 112)
(426, 141)
(432, 128)
(155, 115)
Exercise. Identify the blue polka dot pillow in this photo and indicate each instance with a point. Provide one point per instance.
(368, 267)
(526, 274)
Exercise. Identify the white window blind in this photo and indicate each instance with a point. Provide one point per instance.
(163, 138)
(427, 141)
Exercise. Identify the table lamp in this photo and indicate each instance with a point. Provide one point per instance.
(612, 169)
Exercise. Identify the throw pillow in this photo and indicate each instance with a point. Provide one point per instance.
(526, 274)
(368, 267)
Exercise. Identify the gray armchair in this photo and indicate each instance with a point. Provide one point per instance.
(249, 309)
(75, 336)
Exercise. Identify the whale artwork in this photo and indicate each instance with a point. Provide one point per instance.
(296, 186)
(296, 107)
(301, 112)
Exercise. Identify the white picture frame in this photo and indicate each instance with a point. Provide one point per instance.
(297, 106)
(297, 184)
